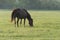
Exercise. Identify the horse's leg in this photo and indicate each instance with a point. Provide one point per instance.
(24, 22)
(20, 21)
(17, 22)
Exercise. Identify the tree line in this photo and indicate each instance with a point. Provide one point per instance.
(30, 4)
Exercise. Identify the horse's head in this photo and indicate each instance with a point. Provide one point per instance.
(31, 22)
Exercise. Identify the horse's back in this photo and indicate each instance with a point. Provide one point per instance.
(20, 13)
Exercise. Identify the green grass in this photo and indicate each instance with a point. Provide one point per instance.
(46, 26)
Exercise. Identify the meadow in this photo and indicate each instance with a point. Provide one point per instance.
(46, 26)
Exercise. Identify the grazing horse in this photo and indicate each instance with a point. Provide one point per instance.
(21, 14)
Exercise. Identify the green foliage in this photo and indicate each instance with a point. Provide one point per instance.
(30, 4)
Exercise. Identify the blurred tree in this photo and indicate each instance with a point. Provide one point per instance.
(30, 4)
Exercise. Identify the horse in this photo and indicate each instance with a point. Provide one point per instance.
(21, 14)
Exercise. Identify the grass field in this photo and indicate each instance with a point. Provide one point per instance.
(46, 26)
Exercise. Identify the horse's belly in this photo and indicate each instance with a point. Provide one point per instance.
(22, 17)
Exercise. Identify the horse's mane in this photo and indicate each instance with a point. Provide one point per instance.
(28, 15)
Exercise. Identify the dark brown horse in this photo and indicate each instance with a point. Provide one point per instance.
(21, 14)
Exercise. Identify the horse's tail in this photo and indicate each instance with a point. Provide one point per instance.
(12, 16)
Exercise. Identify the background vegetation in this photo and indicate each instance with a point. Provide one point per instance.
(30, 4)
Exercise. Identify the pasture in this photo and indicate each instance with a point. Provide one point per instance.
(46, 26)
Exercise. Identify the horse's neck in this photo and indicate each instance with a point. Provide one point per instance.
(29, 18)
(28, 15)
